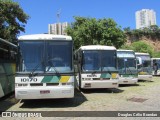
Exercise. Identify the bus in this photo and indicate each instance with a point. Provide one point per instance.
(127, 68)
(144, 66)
(8, 53)
(46, 67)
(96, 67)
(156, 66)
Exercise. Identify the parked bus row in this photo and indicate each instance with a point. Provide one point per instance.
(48, 67)
(105, 67)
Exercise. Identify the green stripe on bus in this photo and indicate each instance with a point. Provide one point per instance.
(51, 79)
(105, 75)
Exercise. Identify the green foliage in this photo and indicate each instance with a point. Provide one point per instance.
(12, 20)
(126, 47)
(139, 46)
(90, 31)
(156, 54)
(152, 32)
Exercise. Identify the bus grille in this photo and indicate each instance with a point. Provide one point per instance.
(101, 78)
(52, 84)
(36, 84)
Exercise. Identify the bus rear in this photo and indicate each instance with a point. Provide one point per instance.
(46, 69)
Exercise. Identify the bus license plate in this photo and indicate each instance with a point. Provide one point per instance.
(125, 81)
(44, 92)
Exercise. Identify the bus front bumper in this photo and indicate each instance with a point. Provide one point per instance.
(145, 77)
(123, 80)
(44, 92)
(89, 84)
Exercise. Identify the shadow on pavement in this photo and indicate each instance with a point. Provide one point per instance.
(145, 81)
(78, 99)
(102, 90)
(128, 85)
(7, 101)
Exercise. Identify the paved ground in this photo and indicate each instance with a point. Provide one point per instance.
(144, 96)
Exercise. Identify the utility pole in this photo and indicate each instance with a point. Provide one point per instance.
(58, 15)
(58, 25)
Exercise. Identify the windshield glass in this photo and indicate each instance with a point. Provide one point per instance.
(32, 54)
(59, 56)
(46, 56)
(94, 60)
(91, 61)
(157, 61)
(146, 64)
(108, 60)
(127, 65)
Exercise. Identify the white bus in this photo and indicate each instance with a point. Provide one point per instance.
(144, 66)
(96, 67)
(156, 65)
(47, 67)
(127, 68)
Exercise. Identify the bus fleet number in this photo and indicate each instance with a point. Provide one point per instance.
(28, 79)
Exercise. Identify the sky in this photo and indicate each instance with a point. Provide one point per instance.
(44, 12)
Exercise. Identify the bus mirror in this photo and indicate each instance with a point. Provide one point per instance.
(139, 61)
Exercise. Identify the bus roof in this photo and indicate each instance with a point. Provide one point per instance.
(97, 47)
(155, 58)
(139, 53)
(44, 37)
(125, 53)
(125, 50)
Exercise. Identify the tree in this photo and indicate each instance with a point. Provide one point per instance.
(90, 31)
(126, 47)
(152, 32)
(12, 20)
(141, 46)
(156, 54)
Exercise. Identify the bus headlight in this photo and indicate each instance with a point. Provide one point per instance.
(68, 83)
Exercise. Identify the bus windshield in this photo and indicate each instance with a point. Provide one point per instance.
(46, 55)
(156, 61)
(102, 60)
(127, 65)
(146, 64)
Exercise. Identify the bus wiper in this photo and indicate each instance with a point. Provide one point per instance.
(94, 72)
(129, 69)
(52, 65)
(147, 69)
(109, 71)
(36, 67)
